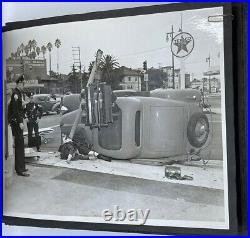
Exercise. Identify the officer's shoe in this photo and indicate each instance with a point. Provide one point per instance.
(25, 170)
(23, 174)
(38, 150)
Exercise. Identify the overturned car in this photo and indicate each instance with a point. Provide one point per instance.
(162, 123)
(128, 124)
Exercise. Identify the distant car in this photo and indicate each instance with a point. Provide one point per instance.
(57, 97)
(46, 101)
(57, 106)
(68, 103)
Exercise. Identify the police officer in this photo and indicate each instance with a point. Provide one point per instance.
(15, 118)
(33, 112)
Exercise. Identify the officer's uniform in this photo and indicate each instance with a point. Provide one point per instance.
(32, 112)
(15, 117)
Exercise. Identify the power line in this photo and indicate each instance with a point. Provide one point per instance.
(141, 52)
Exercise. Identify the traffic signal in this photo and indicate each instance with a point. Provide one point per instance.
(145, 67)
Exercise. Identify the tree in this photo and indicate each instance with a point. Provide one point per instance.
(91, 64)
(49, 47)
(33, 44)
(32, 55)
(57, 45)
(18, 51)
(12, 55)
(29, 46)
(108, 66)
(156, 78)
(22, 47)
(26, 50)
(43, 49)
(38, 50)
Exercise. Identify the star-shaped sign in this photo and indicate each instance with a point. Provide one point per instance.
(182, 44)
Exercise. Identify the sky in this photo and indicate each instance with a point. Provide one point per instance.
(131, 40)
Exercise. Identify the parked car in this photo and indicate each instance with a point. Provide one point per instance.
(68, 103)
(46, 101)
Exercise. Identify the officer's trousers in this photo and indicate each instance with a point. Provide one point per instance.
(19, 148)
(33, 125)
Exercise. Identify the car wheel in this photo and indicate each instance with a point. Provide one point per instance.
(198, 130)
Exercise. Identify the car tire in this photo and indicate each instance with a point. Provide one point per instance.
(198, 129)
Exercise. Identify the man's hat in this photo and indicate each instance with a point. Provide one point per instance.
(20, 79)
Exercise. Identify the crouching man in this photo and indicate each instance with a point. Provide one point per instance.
(72, 150)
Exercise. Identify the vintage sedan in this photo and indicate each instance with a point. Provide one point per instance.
(159, 124)
(46, 101)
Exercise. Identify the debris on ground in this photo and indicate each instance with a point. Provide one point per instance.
(173, 172)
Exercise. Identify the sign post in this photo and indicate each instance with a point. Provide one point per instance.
(182, 45)
(146, 80)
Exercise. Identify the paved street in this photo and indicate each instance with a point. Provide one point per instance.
(68, 192)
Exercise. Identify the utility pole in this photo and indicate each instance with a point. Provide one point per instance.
(145, 68)
(76, 52)
(209, 80)
(74, 78)
(171, 35)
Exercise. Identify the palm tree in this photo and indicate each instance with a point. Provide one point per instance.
(108, 65)
(91, 64)
(26, 50)
(18, 51)
(43, 49)
(32, 55)
(22, 47)
(30, 46)
(57, 45)
(34, 44)
(49, 47)
(38, 50)
(12, 55)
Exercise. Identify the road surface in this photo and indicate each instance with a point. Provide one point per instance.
(69, 192)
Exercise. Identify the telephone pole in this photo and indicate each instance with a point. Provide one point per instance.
(171, 35)
(209, 80)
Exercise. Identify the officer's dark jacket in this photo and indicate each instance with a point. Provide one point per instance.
(15, 108)
(33, 111)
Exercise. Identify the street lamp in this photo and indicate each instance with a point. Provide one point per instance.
(208, 60)
(171, 35)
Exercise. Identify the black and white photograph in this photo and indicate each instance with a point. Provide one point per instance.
(118, 121)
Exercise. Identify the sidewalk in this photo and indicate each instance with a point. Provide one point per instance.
(210, 176)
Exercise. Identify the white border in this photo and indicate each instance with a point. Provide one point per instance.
(156, 222)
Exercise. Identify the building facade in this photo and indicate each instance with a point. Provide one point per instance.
(177, 78)
(34, 71)
(130, 79)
